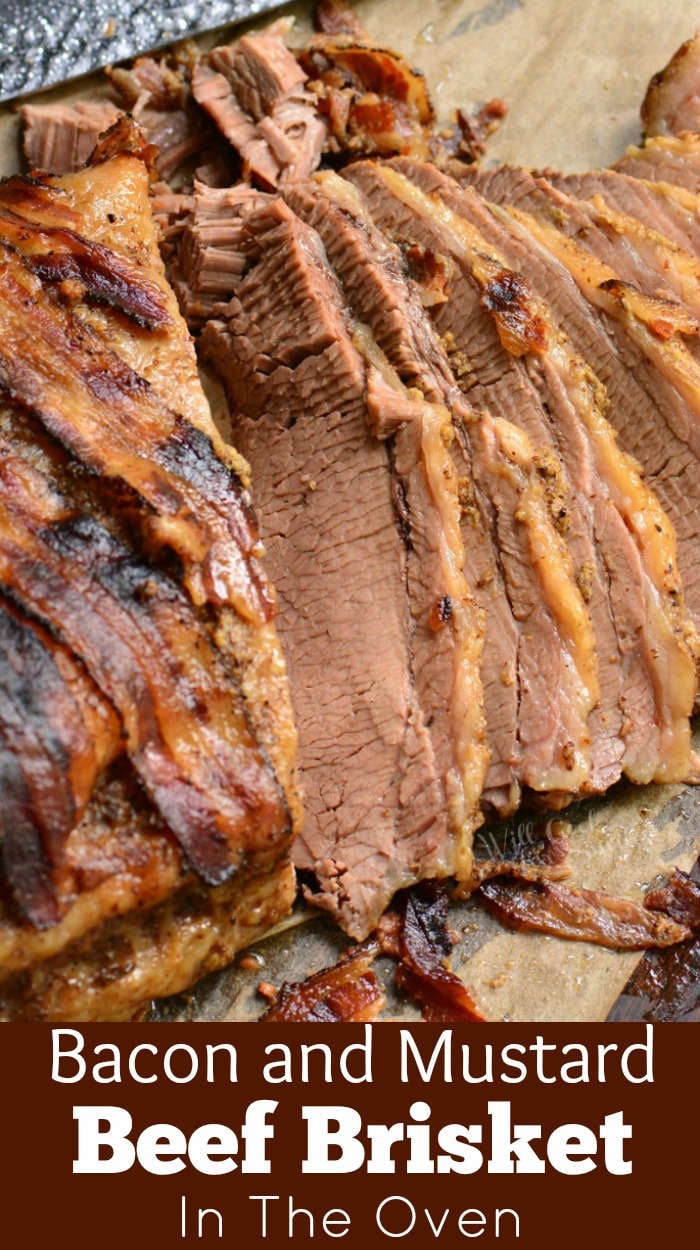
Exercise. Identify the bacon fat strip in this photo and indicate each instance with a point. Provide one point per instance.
(186, 728)
(112, 421)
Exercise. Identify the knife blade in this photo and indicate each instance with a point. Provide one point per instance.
(44, 42)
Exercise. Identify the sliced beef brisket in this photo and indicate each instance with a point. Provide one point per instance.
(543, 409)
(544, 753)
(255, 92)
(157, 94)
(635, 352)
(380, 634)
(637, 253)
(666, 158)
(210, 257)
(61, 137)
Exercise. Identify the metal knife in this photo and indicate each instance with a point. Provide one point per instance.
(44, 42)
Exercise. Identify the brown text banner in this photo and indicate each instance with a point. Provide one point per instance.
(227, 1135)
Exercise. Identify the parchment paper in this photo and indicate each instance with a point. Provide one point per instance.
(573, 76)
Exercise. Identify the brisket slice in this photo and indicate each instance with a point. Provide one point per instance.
(497, 379)
(362, 535)
(372, 272)
(61, 137)
(648, 378)
(666, 158)
(671, 211)
(255, 92)
(211, 257)
(206, 234)
(251, 651)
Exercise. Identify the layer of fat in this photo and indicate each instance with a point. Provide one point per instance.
(678, 267)
(464, 240)
(113, 207)
(467, 709)
(552, 562)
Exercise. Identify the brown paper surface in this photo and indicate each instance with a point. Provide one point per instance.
(573, 76)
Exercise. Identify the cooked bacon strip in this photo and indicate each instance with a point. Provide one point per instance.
(544, 860)
(665, 984)
(57, 736)
(34, 198)
(422, 946)
(349, 992)
(186, 729)
(58, 254)
(679, 899)
(376, 104)
(580, 915)
(113, 422)
(659, 263)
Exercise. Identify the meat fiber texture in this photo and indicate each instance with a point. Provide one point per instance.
(363, 534)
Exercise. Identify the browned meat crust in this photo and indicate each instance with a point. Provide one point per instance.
(91, 401)
(127, 659)
(156, 93)
(57, 736)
